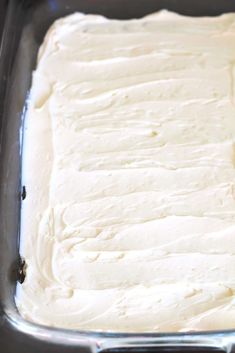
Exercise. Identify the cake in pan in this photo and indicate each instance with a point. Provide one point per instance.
(128, 163)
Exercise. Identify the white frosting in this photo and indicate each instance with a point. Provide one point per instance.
(129, 219)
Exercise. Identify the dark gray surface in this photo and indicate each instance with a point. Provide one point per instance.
(2, 14)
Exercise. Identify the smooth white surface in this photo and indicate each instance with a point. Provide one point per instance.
(129, 219)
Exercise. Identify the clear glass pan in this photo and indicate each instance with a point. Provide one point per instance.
(25, 26)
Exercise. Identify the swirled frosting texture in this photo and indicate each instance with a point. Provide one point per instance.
(129, 219)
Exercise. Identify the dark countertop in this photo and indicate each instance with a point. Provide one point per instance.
(3, 5)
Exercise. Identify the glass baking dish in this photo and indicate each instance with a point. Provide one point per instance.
(26, 23)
